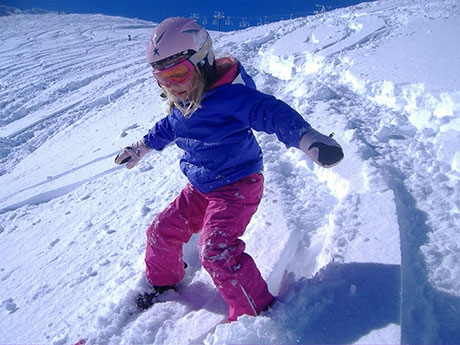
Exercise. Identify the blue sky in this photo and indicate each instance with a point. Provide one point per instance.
(236, 12)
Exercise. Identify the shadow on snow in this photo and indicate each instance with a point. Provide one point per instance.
(342, 303)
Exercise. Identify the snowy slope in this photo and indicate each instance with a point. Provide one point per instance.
(366, 252)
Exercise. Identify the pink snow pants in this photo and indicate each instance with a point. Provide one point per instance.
(222, 217)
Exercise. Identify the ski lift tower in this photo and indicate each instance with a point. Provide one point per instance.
(217, 17)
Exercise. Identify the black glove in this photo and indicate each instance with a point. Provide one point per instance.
(322, 149)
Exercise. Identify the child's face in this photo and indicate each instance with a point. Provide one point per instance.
(178, 77)
(183, 90)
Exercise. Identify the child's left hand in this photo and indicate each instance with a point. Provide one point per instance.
(131, 155)
(322, 149)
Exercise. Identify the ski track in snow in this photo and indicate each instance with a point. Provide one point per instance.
(366, 252)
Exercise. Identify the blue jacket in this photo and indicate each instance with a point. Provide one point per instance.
(217, 139)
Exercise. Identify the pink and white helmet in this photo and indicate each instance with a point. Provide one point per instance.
(176, 36)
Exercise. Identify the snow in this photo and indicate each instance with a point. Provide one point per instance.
(367, 252)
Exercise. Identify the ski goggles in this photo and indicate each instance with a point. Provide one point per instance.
(178, 73)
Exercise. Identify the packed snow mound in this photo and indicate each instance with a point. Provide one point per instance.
(365, 252)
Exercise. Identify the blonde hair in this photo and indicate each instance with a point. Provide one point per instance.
(189, 107)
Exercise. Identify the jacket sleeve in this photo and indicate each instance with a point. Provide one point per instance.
(266, 113)
(160, 135)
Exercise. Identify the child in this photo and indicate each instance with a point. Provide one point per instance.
(213, 107)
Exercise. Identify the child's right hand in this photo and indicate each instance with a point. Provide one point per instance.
(322, 149)
(132, 154)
